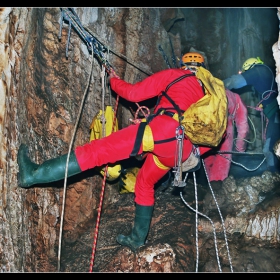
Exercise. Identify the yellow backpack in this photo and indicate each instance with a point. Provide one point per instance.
(205, 121)
(96, 132)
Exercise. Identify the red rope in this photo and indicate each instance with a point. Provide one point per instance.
(101, 197)
(98, 220)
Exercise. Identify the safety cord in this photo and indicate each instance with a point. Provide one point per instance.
(104, 177)
(197, 212)
(148, 73)
(263, 119)
(222, 220)
(271, 88)
(241, 165)
(67, 161)
(214, 232)
(137, 118)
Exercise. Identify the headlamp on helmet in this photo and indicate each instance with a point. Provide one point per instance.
(250, 63)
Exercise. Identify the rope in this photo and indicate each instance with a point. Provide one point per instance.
(121, 55)
(137, 119)
(248, 169)
(196, 223)
(98, 219)
(213, 226)
(67, 163)
(214, 231)
(104, 181)
(222, 220)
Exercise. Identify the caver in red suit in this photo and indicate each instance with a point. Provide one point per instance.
(119, 145)
(217, 166)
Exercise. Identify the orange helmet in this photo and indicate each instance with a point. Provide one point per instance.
(192, 59)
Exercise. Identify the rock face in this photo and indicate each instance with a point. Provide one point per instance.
(49, 94)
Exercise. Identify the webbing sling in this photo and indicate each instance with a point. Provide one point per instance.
(138, 140)
(141, 129)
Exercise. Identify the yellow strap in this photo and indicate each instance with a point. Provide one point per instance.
(159, 164)
(148, 140)
(176, 117)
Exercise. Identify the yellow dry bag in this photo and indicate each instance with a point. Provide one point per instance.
(128, 180)
(205, 121)
(96, 132)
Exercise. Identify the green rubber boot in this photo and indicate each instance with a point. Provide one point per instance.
(137, 238)
(51, 170)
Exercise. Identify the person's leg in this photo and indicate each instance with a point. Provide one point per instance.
(147, 177)
(51, 170)
(115, 147)
(218, 165)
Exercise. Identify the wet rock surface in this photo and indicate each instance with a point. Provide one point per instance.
(172, 245)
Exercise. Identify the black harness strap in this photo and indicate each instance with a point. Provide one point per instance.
(138, 140)
(141, 129)
(165, 140)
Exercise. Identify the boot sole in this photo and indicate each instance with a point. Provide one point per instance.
(121, 239)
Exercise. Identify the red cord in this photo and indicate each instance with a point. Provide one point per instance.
(101, 197)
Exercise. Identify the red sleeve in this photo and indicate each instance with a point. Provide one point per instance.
(145, 89)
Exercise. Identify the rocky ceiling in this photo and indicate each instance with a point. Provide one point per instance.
(42, 86)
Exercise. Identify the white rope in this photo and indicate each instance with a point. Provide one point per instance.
(213, 226)
(67, 162)
(241, 165)
(221, 216)
(214, 232)
(196, 222)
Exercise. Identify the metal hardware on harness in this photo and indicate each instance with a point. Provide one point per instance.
(178, 182)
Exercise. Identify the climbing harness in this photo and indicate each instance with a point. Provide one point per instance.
(203, 215)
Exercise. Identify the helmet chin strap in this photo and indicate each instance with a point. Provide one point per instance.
(192, 69)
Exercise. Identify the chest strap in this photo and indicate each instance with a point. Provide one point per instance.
(142, 126)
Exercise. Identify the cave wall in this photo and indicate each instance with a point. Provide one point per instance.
(228, 36)
(41, 94)
(41, 91)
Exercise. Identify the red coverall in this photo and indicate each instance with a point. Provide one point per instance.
(118, 145)
(217, 166)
